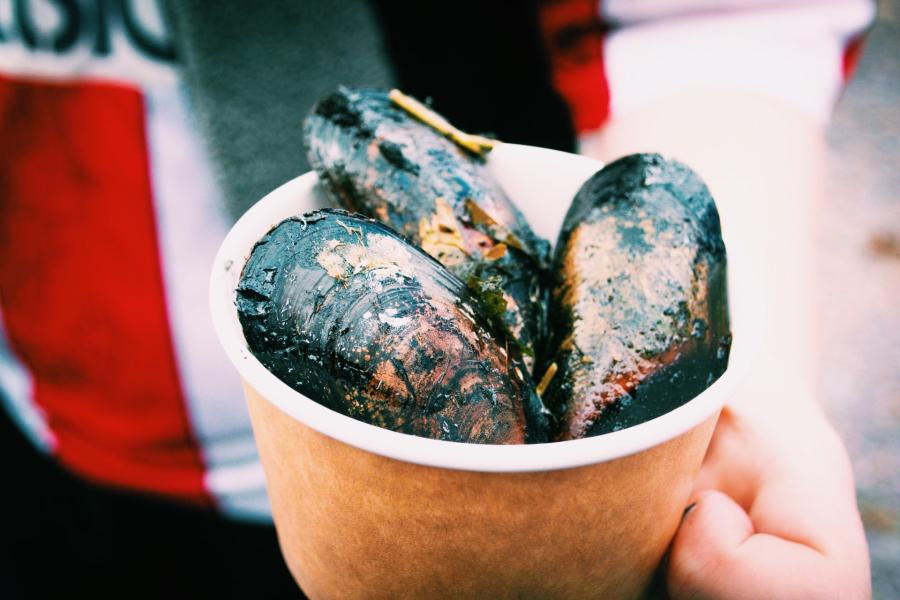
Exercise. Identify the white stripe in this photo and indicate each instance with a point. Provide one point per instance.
(125, 63)
(790, 55)
(629, 12)
(17, 397)
(191, 226)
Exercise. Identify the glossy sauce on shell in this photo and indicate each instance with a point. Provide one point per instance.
(376, 159)
(639, 311)
(351, 315)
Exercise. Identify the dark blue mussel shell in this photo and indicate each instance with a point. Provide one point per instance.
(350, 314)
(376, 159)
(639, 310)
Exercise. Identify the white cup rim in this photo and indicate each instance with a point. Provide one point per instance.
(745, 294)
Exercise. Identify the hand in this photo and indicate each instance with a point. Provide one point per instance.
(774, 513)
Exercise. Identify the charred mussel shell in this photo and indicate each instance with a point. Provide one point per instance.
(348, 313)
(639, 308)
(375, 158)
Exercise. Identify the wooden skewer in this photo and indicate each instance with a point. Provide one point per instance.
(473, 143)
(546, 379)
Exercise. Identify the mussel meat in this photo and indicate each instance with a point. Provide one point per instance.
(639, 308)
(375, 158)
(347, 312)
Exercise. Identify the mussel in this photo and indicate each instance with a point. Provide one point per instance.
(377, 159)
(347, 312)
(639, 312)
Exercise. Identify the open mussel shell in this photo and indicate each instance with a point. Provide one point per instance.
(639, 311)
(348, 313)
(375, 158)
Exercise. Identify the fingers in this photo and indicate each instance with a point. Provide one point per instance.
(791, 476)
(717, 554)
(782, 522)
(711, 531)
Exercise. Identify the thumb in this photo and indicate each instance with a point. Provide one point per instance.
(711, 530)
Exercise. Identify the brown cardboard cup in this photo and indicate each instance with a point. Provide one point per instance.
(363, 512)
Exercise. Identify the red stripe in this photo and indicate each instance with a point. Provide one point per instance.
(81, 285)
(574, 36)
(852, 53)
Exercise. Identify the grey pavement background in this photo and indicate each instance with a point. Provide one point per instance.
(858, 285)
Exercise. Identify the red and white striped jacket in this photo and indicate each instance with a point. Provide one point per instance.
(109, 217)
(109, 220)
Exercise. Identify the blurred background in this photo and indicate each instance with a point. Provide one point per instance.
(858, 289)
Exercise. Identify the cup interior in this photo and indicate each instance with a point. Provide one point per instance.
(542, 183)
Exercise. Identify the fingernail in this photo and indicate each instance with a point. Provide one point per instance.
(689, 508)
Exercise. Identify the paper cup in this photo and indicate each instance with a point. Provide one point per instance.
(364, 512)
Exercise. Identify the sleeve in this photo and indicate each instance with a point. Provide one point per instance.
(615, 57)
